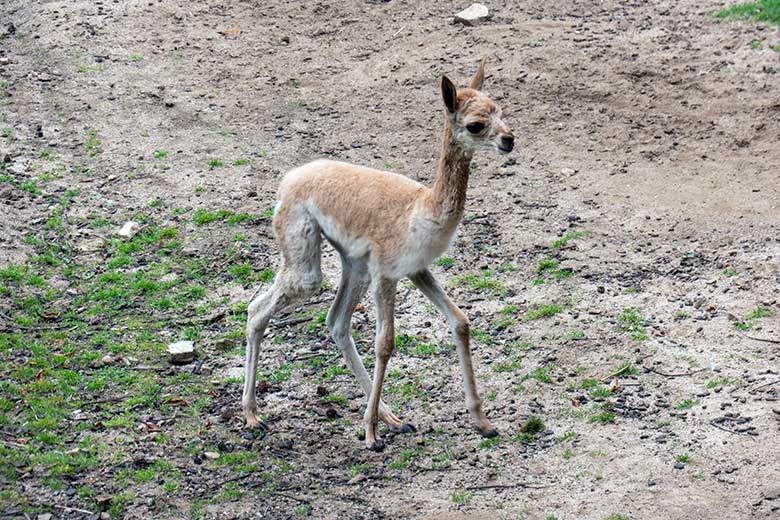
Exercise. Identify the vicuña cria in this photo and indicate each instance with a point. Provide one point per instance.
(386, 227)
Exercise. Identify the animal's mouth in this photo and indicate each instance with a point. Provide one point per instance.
(504, 150)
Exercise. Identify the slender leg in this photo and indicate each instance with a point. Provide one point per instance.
(299, 276)
(260, 312)
(353, 286)
(459, 324)
(384, 297)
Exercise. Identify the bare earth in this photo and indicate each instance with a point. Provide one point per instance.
(647, 140)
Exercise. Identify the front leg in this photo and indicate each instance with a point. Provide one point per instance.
(384, 298)
(459, 323)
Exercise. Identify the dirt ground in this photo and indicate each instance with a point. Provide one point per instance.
(620, 268)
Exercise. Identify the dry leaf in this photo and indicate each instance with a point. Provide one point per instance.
(149, 426)
(231, 32)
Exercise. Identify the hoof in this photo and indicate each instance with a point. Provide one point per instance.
(377, 446)
(406, 428)
(489, 433)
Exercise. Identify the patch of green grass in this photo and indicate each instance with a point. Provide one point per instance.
(632, 321)
(462, 498)
(568, 237)
(684, 458)
(31, 187)
(480, 335)
(617, 516)
(533, 426)
(215, 163)
(761, 11)
(93, 144)
(759, 312)
(573, 335)
(444, 261)
(486, 444)
(160, 154)
(545, 310)
(602, 415)
(730, 272)
(750, 319)
(723, 381)
(626, 369)
(524, 438)
(335, 370)
(481, 282)
(503, 323)
(565, 437)
(512, 365)
(541, 374)
(601, 392)
(241, 161)
(336, 399)
(550, 267)
(405, 458)
(204, 216)
(355, 470)
(687, 404)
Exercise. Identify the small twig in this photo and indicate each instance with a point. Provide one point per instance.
(525, 485)
(718, 426)
(615, 373)
(302, 500)
(74, 509)
(764, 385)
(765, 340)
(398, 32)
(291, 321)
(683, 374)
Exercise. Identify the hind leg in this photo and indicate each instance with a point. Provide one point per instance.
(354, 284)
(260, 312)
(300, 276)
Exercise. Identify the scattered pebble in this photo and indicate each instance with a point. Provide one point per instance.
(129, 230)
(181, 352)
(472, 14)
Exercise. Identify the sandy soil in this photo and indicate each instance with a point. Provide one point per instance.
(647, 134)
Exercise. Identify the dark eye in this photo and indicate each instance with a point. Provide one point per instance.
(475, 128)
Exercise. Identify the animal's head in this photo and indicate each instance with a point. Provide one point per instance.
(475, 118)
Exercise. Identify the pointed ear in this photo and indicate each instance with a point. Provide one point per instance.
(479, 77)
(450, 95)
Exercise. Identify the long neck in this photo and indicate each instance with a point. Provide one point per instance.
(452, 176)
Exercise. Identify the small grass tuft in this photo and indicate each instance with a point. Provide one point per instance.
(545, 310)
(532, 426)
(761, 11)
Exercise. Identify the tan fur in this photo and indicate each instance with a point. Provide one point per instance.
(386, 227)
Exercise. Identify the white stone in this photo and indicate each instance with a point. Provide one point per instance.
(129, 229)
(181, 352)
(473, 13)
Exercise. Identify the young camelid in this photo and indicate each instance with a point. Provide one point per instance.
(386, 227)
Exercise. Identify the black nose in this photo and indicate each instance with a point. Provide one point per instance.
(507, 142)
